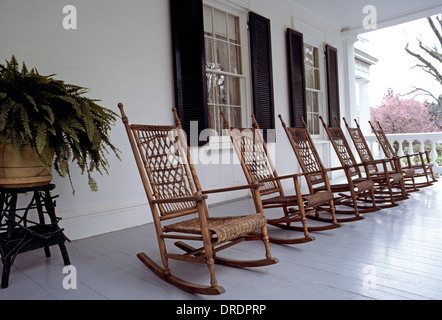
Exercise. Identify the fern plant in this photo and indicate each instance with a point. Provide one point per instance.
(39, 110)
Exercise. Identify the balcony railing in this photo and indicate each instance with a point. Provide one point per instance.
(431, 141)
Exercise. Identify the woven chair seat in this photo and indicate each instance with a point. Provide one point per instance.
(364, 185)
(408, 173)
(318, 198)
(310, 200)
(397, 177)
(225, 228)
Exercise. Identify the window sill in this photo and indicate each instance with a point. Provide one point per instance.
(218, 143)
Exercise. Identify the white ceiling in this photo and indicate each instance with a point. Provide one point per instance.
(348, 15)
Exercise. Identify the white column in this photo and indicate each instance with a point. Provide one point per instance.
(349, 77)
(364, 106)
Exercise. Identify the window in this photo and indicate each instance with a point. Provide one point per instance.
(313, 88)
(206, 85)
(224, 71)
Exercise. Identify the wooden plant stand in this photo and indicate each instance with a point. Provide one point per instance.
(25, 229)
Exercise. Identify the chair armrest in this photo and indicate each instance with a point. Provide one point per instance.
(235, 188)
(181, 199)
(286, 176)
(376, 161)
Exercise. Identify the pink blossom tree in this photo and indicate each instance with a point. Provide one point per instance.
(397, 114)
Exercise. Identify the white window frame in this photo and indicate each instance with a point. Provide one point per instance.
(322, 109)
(245, 90)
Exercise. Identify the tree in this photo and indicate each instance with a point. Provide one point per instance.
(397, 114)
(430, 57)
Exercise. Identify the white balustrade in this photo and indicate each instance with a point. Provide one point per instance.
(434, 138)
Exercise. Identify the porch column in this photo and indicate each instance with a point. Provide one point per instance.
(364, 106)
(349, 76)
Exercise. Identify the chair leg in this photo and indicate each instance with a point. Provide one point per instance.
(265, 239)
(202, 209)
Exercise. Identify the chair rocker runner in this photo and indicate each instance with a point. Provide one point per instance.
(345, 194)
(174, 191)
(382, 182)
(382, 175)
(424, 169)
(258, 167)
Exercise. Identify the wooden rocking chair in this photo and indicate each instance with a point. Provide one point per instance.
(345, 194)
(174, 192)
(424, 169)
(383, 183)
(258, 167)
(382, 175)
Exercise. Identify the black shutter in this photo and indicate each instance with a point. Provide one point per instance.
(189, 64)
(331, 55)
(295, 45)
(262, 77)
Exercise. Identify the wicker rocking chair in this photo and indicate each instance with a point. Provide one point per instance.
(345, 194)
(424, 169)
(383, 182)
(258, 167)
(382, 175)
(174, 192)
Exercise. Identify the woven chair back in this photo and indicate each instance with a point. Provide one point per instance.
(306, 153)
(255, 158)
(361, 145)
(166, 162)
(343, 151)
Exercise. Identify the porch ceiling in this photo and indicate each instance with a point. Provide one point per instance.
(348, 15)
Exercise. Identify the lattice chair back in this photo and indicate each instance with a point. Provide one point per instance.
(167, 167)
(305, 152)
(383, 141)
(343, 151)
(361, 145)
(255, 160)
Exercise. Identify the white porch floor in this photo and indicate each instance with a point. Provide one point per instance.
(394, 253)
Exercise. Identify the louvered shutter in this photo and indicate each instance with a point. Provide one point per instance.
(331, 55)
(262, 77)
(189, 64)
(295, 46)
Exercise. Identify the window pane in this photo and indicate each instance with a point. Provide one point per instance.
(208, 20)
(215, 118)
(210, 58)
(222, 55)
(235, 117)
(308, 55)
(309, 77)
(233, 29)
(235, 59)
(317, 82)
(235, 91)
(220, 24)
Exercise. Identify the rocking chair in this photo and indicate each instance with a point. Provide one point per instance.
(382, 175)
(345, 194)
(383, 183)
(258, 167)
(424, 169)
(174, 192)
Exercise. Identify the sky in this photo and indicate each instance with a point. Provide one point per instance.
(395, 66)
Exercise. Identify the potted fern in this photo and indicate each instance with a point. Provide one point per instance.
(52, 122)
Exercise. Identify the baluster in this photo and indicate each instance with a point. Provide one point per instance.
(400, 151)
(433, 154)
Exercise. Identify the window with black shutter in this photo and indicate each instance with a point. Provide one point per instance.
(331, 55)
(189, 65)
(262, 74)
(295, 46)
